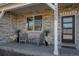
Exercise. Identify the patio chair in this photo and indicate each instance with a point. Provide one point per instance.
(33, 41)
(23, 37)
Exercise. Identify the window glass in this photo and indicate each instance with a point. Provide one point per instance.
(67, 31)
(30, 23)
(67, 37)
(68, 19)
(38, 23)
(67, 25)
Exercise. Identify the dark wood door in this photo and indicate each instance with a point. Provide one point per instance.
(68, 29)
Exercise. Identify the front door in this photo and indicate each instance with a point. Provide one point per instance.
(68, 29)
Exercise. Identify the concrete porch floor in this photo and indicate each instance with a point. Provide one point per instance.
(35, 50)
(28, 49)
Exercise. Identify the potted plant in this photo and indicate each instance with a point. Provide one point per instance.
(46, 33)
(18, 34)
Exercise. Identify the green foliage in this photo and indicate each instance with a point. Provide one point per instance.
(46, 32)
(18, 30)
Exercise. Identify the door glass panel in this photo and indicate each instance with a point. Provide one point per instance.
(67, 25)
(69, 37)
(67, 31)
(67, 19)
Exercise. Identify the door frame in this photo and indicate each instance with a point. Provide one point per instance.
(74, 28)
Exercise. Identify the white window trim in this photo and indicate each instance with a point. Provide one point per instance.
(34, 23)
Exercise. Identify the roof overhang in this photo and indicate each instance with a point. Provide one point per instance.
(30, 7)
(10, 6)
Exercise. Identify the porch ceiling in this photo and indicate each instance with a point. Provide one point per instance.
(42, 6)
(31, 8)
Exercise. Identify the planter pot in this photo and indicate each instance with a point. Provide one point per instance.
(18, 37)
(46, 40)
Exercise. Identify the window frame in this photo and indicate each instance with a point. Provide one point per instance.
(34, 24)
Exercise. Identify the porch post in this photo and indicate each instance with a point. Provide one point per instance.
(1, 14)
(55, 8)
(56, 30)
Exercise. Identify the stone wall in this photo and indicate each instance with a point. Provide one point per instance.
(22, 21)
(7, 26)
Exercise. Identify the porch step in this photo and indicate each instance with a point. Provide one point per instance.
(68, 45)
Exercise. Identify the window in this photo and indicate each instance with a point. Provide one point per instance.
(34, 23)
